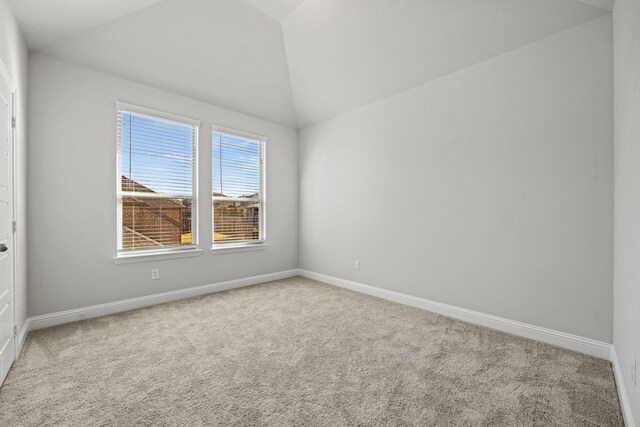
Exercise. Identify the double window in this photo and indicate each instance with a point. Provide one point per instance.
(157, 184)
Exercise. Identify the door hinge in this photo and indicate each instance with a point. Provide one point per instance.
(13, 122)
(14, 227)
(15, 330)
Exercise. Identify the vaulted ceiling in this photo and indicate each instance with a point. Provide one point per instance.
(293, 62)
(44, 22)
(276, 9)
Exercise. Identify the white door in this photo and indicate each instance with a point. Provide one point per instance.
(7, 347)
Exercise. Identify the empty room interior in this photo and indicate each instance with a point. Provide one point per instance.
(319, 213)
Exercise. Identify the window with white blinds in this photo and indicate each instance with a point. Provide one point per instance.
(238, 187)
(157, 180)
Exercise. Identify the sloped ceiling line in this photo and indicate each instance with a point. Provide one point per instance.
(602, 4)
(344, 54)
(278, 10)
(44, 21)
(292, 62)
(228, 53)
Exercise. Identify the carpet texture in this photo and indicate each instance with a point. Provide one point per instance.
(299, 353)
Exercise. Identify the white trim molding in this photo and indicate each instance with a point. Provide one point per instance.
(22, 337)
(222, 249)
(560, 339)
(622, 391)
(68, 316)
(142, 256)
(4, 73)
(156, 114)
(240, 133)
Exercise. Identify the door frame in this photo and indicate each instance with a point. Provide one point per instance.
(4, 74)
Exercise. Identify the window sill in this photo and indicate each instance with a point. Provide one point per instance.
(223, 249)
(153, 256)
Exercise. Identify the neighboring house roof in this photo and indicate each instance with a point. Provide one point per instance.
(130, 185)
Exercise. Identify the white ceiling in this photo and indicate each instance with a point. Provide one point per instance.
(279, 10)
(224, 52)
(343, 54)
(46, 21)
(263, 57)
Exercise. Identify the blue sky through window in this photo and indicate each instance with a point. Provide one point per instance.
(157, 154)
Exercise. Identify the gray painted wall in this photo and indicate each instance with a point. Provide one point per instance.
(490, 188)
(626, 323)
(14, 54)
(72, 204)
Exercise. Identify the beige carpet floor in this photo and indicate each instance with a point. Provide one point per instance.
(298, 353)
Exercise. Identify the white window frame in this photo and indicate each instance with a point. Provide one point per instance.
(262, 200)
(145, 254)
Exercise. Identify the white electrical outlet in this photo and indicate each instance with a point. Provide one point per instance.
(356, 264)
(634, 372)
(155, 274)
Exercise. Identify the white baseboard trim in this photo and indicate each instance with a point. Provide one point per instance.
(22, 336)
(560, 339)
(622, 391)
(549, 336)
(67, 316)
